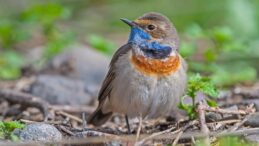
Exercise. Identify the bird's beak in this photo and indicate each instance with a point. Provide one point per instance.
(130, 23)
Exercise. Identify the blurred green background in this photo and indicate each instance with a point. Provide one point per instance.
(218, 38)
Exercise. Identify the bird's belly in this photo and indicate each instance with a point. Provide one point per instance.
(135, 94)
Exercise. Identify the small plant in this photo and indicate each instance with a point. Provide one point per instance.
(7, 128)
(196, 84)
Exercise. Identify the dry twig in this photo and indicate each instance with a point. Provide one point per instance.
(204, 128)
(237, 125)
(73, 109)
(69, 116)
(139, 128)
(157, 134)
(66, 130)
(177, 138)
(26, 100)
(225, 111)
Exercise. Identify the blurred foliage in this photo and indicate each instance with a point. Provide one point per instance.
(197, 83)
(44, 17)
(10, 64)
(226, 141)
(46, 14)
(101, 44)
(220, 53)
(7, 128)
(11, 33)
(233, 141)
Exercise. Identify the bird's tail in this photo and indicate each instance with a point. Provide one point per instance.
(98, 117)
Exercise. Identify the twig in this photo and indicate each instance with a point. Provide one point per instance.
(70, 116)
(157, 134)
(66, 130)
(193, 140)
(237, 125)
(49, 122)
(84, 121)
(139, 128)
(224, 122)
(104, 135)
(26, 100)
(204, 128)
(73, 109)
(177, 138)
(224, 111)
(28, 121)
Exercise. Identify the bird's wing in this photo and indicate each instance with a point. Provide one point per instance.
(106, 86)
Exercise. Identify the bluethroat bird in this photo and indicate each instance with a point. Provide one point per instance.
(147, 75)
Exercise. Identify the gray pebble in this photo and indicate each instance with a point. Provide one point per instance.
(212, 117)
(253, 120)
(254, 138)
(39, 132)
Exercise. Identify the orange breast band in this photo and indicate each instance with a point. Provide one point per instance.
(157, 67)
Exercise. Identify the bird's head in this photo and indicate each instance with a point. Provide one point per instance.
(154, 35)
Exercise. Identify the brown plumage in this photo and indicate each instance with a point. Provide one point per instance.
(130, 86)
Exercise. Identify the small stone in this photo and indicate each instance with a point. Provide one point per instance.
(39, 132)
(253, 120)
(212, 117)
(254, 138)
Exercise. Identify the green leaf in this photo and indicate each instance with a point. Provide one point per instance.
(187, 49)
(222, 34)
(11, 125)
(197, 83)
(211, 103)
(101, 44)
(210, 55)
(7, 128)
(11, 33)
(194, 30)
(10, 65)
(58, 45)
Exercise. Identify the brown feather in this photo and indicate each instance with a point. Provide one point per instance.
(106, 86)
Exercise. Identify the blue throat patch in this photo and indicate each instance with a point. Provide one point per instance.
(138, 36)
(151, 49)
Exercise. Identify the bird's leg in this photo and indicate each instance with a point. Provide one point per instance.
(128, 125)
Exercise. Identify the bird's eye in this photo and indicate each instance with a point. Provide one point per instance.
(151, 27)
